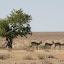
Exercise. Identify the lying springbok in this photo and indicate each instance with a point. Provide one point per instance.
(36, 44)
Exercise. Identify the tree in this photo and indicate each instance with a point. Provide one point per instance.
(17, 23)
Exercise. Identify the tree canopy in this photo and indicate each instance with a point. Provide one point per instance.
(17, 23)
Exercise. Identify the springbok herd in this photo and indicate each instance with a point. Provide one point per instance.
(49, 43)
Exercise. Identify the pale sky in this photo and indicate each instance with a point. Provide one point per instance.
(47, 15)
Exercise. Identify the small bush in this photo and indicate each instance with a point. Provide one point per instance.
(44, 47)
(47, 50)
(41, 56)
(50, 56)
(41, 47)
(29, 50)
(28, 57)
(4, 56)
(26, 47)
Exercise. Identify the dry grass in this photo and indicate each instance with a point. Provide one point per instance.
(51, 56)
(38, 57)
(28, 57)
(41, 57)
(4, 56)
(23, 54)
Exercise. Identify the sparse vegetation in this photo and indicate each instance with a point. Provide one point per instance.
(51, 56)
(4, 56)
(44, 47)
(25, 54)
(41, 56)
(28, 57)
(26, 47)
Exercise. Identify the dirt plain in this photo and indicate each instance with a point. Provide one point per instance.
(20, 55)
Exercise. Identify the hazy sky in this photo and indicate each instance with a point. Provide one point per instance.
(47, 15)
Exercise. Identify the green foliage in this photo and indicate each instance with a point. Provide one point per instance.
(17, 23)
(4, 28)
(44, 47)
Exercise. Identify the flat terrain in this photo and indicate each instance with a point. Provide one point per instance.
(32, 57)
(46, 36)
(18, 55)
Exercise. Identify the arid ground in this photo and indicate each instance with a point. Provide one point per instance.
(21, 53)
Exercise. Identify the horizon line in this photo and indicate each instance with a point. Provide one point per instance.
(47, 31)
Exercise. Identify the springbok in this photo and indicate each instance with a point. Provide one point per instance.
(62, 44)
(57, 43)
(36, 44)
(49, 44)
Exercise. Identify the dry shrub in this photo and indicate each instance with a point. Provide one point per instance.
(47, 50)
(4, 56)
(44, 47)
(25, 47)
(46, 62)
(41, 47)
(28, 57)
(41, 56)
(30, 50)
(29, 63)
(50, 63)
(51, 56)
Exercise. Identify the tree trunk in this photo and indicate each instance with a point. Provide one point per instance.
(9, 44)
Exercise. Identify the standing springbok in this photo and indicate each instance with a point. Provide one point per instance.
(58, 44)
(49, 44)
(36, 44)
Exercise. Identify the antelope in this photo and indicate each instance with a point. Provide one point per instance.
(58, 44)
(36, 44)
(62, 44)
(49, 44)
